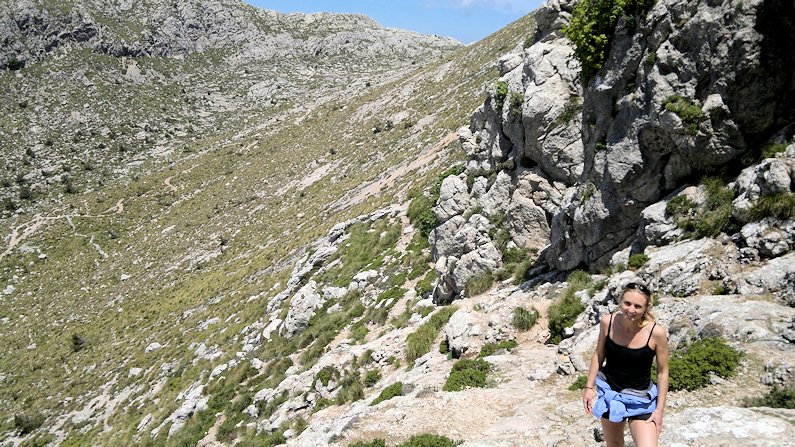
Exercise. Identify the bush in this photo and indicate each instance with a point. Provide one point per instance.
(690, 367)
(517, 99)
(396, 389)
(772, 149)
(467, 374)
(372, 377)
(326, 375)
(680, 206)
(591, 30)
(429, 440)
(490, 348)
(479, 283)
(500, 93)
(425, 285)
(687, 110)
(562, 314)
(78, 342)
(27, 423)
(378, 442)
(579, 383)
(420, 342)
(637, 260)
(709, 220)
(524, 319)
(780, 205)
(778, 397)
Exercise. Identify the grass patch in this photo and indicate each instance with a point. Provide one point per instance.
(637, 260)
(779, 205)
(420, 342)
(687, 110)
(710, 219)
(479, 283)
(778, 397)
(364, 250)
(396, 389)
(490, 348)
(467, 374)
(579, 383)
(691, 366)
(423, 440)
(565, 309)
(524, 319)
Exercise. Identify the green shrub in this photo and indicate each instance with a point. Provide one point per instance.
(78, 342)
(562, 314)
(419, 342)
(396, 389)
(687, 110)
(28, 423)
(429, 440)
(500, 93)
(359, 332)
(780, 205)
(778, 397)
(467, 374)
(490, 348)
(377, 442)
(592, 26)
(579, 383)
(637, 260)
(524, 319)
(372, 377)
(772, 149)
(479, 283)
(321, 404)
(690, 367)
(444, 347)
(425, 285)
(679, 206)
(517, 99)
(326, 375)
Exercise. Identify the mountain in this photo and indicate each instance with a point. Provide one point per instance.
(406, 238)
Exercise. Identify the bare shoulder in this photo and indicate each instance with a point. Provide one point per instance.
(659, 333)
(605, 319)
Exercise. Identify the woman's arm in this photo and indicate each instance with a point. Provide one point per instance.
(661, 341)
(596, 362)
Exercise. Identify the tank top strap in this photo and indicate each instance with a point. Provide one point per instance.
(651, 332)
(609, 325)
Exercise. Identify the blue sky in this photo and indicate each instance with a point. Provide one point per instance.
(464, 20)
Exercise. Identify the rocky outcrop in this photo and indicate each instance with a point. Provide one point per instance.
(610, 150)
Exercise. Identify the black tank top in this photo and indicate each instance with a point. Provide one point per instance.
(627, 367)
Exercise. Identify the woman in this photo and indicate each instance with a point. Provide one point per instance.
(619, 386)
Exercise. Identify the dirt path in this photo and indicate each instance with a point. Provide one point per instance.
(423, 159)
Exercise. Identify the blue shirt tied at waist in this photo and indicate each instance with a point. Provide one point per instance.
(628, 402)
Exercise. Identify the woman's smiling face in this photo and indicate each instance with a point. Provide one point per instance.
(633, 305)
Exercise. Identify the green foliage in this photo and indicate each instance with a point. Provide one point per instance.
(372, 377)
(28, 422)
(524, 319)
(78, 342)
(778, 397)
(467, 374)
(490, 348)
(479, 283)
(444, 347)
(425, 285)
(564, 310)
(351, 388)
(396, 389)
(517, 99)
(579, 383)
(359, 332)
(419, 342)
(326, 375)
(423, 440)
(779, 205)
(651, 58)
(420, 214)
(592, 26)
(570, 110)
(364, 250)
(770, 150)
(500, 93)
(709, 220)
(680, 205)
(690, 367)
(637, 260)
(687, 110)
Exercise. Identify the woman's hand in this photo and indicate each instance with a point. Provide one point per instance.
(657, 419)
(587, 399)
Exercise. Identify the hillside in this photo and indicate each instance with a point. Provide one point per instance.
(407, 242)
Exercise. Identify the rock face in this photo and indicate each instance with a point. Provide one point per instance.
(603, 154)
